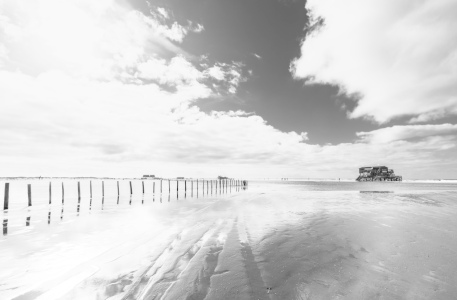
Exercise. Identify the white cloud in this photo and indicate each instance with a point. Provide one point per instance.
(396, 133)
(177, 72)
(399, 56)
(176, 32)
(62, 126)
(163, 12)
(84, 38)
(216, 72)
(199, 28)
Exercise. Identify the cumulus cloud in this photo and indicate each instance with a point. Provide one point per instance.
(100, 39)
(198, 28)
(408, 132)
(399, 58)
(228, 76)
(177, 71)
(220, 78)
(105, 128)
(163, 12)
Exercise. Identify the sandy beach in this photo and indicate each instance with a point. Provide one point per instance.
(275, 240)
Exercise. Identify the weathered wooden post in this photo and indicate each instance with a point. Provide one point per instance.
(131, 190)
(197, 187)
(118, 188)
(161, 187)
(142, 184)
(203, 187)
(185, 188)
(169, 188)
(153, 192)
(29, 192)
(103, 188)
(79, 193)
(7, 196)
(50, 193)
(63, 193)
(5, 226)
(207, 187)
(90, 187)
(177, 188)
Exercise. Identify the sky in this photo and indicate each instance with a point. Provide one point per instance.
(240, 88)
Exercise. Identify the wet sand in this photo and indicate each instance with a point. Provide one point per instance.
(273, 241)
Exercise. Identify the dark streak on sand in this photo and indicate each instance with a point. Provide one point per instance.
(258, 288)
(203, 281)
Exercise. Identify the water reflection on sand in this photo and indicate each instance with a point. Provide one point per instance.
(274, 241)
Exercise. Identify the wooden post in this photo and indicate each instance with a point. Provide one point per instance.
(29, 192)
(103, 193)
(153, 188)
(50, 193)
(5, 226)
(169, 188)
(7, 196)
(197, 187)
(90, 183)
(142, 183)
(118, 188)
(160, 186)
(177, 188)
(63, 193)
(79, 192)
(131, 191)
(185, 187)
(207, 187)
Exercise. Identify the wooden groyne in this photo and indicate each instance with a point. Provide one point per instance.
(83, 193)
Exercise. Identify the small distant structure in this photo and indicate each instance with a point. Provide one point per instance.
(149, 176)
(222, 177)
(179, 177)
(378, 173)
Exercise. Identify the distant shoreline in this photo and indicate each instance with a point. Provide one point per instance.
(174, 178)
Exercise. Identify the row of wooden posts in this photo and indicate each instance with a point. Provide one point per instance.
(224, 185)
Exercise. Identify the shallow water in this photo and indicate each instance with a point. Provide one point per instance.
(275, 240)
